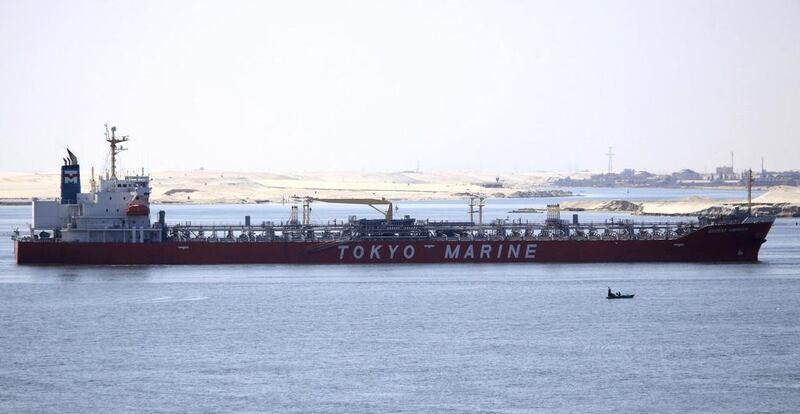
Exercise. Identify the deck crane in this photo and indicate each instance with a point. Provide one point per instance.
(372, 202)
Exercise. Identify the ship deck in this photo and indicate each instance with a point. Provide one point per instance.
(426, 230)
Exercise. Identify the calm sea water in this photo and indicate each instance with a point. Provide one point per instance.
(417, 338)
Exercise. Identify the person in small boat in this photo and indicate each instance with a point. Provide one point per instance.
(609, 292)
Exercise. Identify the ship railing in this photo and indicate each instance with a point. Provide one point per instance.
(617, 230)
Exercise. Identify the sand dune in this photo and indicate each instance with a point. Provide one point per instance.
(205, 186)
(208, 186)
(782, 200)
(780, 194)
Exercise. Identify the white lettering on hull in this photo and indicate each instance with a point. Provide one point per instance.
(486, 250)
(358, 252)
(454, 251)
(393, 250)
(530, 251)
(374, 252)
(489, 251)
(470, 253)
(451, 252)
(727, 230)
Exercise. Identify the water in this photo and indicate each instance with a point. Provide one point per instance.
(417, 338)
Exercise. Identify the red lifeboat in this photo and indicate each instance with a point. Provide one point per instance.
(136, 209)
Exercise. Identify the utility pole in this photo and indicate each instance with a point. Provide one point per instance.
(610, 157)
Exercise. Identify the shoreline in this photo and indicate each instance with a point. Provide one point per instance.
(431, 196)
(788, 206)
(204, 187)
(15, 201)
(223, 187)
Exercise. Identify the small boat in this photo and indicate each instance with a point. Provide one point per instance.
(620, 296)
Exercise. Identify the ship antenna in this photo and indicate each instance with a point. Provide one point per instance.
(113, 141)
(749, 192)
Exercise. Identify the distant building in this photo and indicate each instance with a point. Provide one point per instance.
(683, 178)
(687, 175)
(725, 174)
(769, 178)
(497, 184)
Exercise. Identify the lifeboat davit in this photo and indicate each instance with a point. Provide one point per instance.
(137, 210)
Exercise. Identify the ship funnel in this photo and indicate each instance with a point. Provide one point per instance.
(70, 179)
(73, 160)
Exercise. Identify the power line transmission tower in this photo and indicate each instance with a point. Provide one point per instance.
(610, 157)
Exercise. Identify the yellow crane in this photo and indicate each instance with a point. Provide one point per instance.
(372, 202)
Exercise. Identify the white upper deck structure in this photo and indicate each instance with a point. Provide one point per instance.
(114, 210)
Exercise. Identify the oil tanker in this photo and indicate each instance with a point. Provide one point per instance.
(111, 225)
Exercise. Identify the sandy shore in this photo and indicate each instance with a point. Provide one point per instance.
(225, 187)
(206, 187)
(782, 201)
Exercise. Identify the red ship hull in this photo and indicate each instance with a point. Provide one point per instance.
(716, 243)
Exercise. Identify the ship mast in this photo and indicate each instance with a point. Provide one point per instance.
(749, 192)
(113, 141)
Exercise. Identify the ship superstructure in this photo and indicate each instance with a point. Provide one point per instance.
(111, 225)
(114, 210)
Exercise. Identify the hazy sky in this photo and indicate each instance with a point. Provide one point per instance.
(377, 85)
